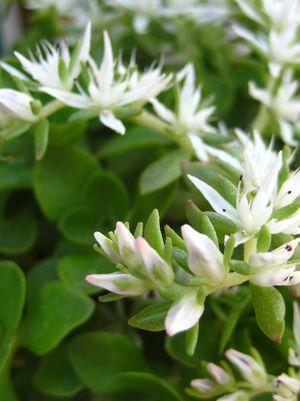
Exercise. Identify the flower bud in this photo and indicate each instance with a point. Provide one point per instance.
(249, 368)
(204, 386)
(126, 244)
(119, 283)
(219, 374)
(204, 258)
(184, 313)
(108, 247)
(286, 388)
(155, 267)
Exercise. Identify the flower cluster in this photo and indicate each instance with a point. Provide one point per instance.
(285, 387)
(277, 42)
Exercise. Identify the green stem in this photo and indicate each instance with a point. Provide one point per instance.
(50, 108)
(148, 120)
(250, 248)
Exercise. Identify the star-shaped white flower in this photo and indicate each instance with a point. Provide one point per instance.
(56, 68)
(107, 91)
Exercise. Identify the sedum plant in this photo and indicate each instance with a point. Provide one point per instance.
(169, 131)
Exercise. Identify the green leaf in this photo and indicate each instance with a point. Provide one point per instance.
(100, 356)
(12, 296)
(223, 225)
(41, 135)
(67, 133)
(231, 323)
(287, 210)
(201, 222)
(135, 138)
(263, 239)
(55, 375)
(14, 133)
(74, 268)
(191, 338)
(56, 310)
(152, 232)
(151, 318)
(177, 241)
(163, 171)
(269, 310)
(228, 251)
(17, 234)
(59, 179)
(149, 384)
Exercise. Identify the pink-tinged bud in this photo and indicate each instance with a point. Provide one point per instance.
(184, 313)
(204, 258)
(219, 374)
(237, 396)
(126, 244)
(155, 267)
(108, 247)
(118, 283)
(286, 388)
(249, 368)
(204, 386)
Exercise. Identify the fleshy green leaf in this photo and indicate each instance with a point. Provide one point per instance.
(263, 239)
(74, 268)
(41, 135)
(152, 232)
(55, 375)
(201, 222)
(269, 310)
(12, 295)
(191, 338)
(149, 384)
(53, 313)
(163, 171)
(100, 356)
(151, 318)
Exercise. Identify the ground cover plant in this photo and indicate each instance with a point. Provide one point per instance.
(150, 200)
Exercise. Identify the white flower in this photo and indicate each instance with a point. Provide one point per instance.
(289, 190)
(126, 245)
(286, 388)
(204, 258)
(191, 118)
(118, 283)
(57, 69)
(184, 313)
(248, 215)
(18, 103)
(284, 104)
(294, 353)
(270, 268)
(280, 24)
(248, 367)
(204, 386)
(107, 93)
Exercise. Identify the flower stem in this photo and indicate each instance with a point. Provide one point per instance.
(250, 248)
(50, 108)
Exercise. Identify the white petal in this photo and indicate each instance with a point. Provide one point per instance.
(126, 241)
(276, 257)
(68, 98)
(250, 12)
(183, 314)
(260, 94)
(225, 157)
(237, 396)
(112, 122)
(204, 258)
(199, 147)
(118, 283)
(296, 324)
(217, 202)
(13, 71)
(284, 276)
(287, 133)
(163, 112)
